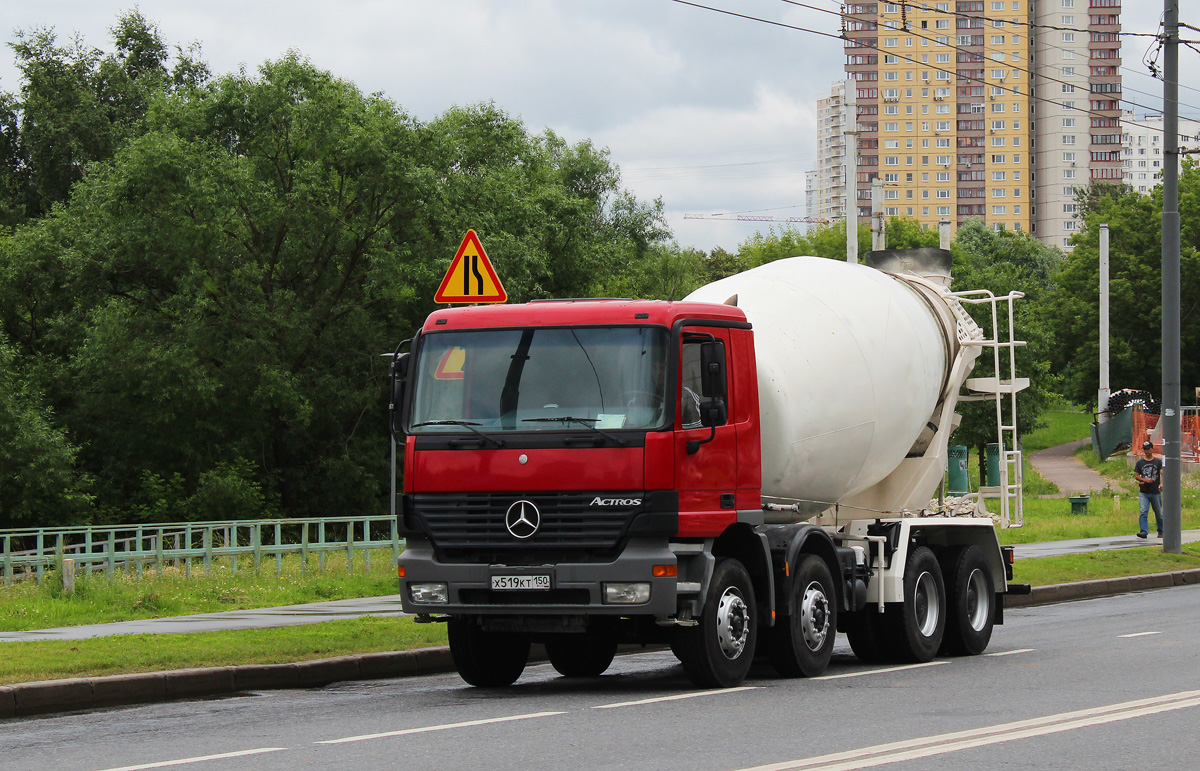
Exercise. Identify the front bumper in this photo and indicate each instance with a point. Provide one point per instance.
(575, 588)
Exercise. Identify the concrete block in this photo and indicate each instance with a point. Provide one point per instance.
(1119, 585)
(427, 661)
(8, 701)
(373, 666)
(1151, 581)
(1044, 594)
(129, 689)
(52, 696)
(1191, 576)
(261, 677)
(199, 682)
(326, 671)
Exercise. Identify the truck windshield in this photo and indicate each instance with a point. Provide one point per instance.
(540, 379)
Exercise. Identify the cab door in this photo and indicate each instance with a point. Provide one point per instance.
(705, 437)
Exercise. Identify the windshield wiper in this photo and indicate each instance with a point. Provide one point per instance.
(468, 424)
(586, 422)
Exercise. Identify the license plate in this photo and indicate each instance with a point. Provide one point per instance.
(520, 582)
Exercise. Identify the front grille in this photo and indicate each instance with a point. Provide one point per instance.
(551, 597)
(469, 527)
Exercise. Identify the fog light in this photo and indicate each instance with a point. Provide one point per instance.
(429, 593)
(626, 594)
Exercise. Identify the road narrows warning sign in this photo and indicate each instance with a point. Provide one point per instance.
(471, 277)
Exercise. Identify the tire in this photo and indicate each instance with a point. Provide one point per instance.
(486, 659)
(867, 632)
(802, 641)
(971, 607)
(581, 655)
(718, 651)
(919, 626)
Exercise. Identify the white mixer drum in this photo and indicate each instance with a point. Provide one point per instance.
(851, 363)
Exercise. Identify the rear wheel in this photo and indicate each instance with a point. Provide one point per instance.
(918, 629)
(972, 602)
(581, 655)
(718, 651)
(486, 659)
(802, 641)
(867, 632)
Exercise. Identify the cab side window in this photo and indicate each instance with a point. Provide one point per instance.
(693, 393)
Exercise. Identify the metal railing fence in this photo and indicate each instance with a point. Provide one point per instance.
(31, 552)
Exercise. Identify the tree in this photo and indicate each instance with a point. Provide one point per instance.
(1135, 287)
(1004, 262)
(37, 460)
(206, 309)
(77, 106)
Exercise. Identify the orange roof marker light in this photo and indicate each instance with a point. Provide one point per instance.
(471, 277)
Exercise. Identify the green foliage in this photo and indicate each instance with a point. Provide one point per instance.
(205, 305)
(37, 459)
(1135, 291)
(1003, 262)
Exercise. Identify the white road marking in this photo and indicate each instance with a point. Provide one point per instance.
(1011, 653)
(1137, 634)
(677, 696)
(881, 671)
(444, 727)
(200, 759)
(912, 749)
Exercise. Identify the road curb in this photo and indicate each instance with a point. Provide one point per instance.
(1104, 587)
(49, 696)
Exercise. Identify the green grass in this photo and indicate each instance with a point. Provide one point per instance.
(98, 599)
(1063, 424)
(1104, 564)
(54, 659)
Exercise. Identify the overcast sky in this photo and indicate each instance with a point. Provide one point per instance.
(710, 112)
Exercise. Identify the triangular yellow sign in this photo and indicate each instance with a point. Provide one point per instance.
(471, 278)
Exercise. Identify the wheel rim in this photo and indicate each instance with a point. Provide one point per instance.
(979, 600)
(927, 604)
(733, 627)
(814, 616)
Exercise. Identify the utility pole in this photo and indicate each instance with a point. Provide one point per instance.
(878, 234)
(851, 131)
(1104, 392)
(1169, 420)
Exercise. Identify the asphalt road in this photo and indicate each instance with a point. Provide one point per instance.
(1062, 686)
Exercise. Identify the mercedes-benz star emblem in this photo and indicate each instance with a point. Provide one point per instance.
(522, 519)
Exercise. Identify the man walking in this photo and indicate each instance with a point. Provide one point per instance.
(1148, 472)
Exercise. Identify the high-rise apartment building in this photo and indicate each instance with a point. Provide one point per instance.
(1077, 82)
(949, 114)
(832, 120)
(1142, 146)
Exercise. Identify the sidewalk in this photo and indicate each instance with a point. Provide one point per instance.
(1059, 465)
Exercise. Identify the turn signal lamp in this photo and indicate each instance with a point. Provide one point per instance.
(400, 571)
(665, 571)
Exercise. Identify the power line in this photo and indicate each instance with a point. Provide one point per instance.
(1047, 44)
(923, 64)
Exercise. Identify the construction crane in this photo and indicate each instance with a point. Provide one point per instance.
(753, 218)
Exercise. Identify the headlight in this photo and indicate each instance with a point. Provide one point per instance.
(626, 594)
(429, 593)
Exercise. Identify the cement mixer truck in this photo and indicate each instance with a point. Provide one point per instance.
(743, 473)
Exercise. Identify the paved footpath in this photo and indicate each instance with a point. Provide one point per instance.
(1059, 465)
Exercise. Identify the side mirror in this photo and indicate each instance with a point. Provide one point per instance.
(712, 369)
(399, 378)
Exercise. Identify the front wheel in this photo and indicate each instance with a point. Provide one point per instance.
(972, 602)
(802, 642)
(486, 659)
(581, 655)
(718, 651)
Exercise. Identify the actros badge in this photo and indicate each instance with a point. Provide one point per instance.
(522, 519)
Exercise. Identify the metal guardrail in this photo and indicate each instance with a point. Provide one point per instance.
(31, 552)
